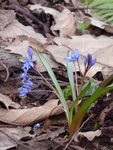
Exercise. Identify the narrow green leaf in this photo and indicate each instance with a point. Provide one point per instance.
(71, 77)
(53, 78)
(106, 82)
(110, 20)
(83, 109)
(109, 14)
(92, 88)
(76, 101)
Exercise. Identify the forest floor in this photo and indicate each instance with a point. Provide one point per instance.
(35, 122)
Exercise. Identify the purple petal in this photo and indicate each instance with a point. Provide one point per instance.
(93, 62)
(85, 61)
(76, 54)
(89, 57)
(68, 59)
(30, 53)
(23, 75)
(29, 83)
(23, 91)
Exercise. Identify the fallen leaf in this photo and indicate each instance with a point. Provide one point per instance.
(8, 102)
(8, 134)
(6, 17)
(24, 117)
(100, 24)
(97, 23)
(51, 134)
(20, 47)
(65, 23)
(6, 142)
(37, 45)
(15, 29)
(47, 10)
(90, 135)
(9, 59)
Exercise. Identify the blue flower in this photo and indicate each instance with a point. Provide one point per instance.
(69, 59)
(88, 61)
(23, 91)
(30, 53)
(27, 84)
(76, 55)
(27, 64)
(73, 57)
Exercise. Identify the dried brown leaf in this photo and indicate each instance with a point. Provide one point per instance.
(65, 23)
(24, 117)
(47, 10)
(8, 102)
(20, 47)
(6, 17)
(90, 135)
(10, 136)
(15, 29)
(51, 134)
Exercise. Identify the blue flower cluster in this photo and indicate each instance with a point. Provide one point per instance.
(89, 62)
(27, 84)
(73, 57)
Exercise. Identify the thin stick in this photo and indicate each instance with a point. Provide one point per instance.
(49, 85)
(75, 135)
(42, 91)
(46, 81)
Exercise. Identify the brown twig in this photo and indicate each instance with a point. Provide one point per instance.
(75, 135)
(7, 71)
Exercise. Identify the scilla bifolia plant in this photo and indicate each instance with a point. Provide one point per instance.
(76, 113)
(78, 93)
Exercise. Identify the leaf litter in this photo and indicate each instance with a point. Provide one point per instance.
(18, 31)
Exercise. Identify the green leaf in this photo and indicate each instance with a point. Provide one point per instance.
(106, 82)
(76, 101)
(71, 77)
(67, 92)
(83, 26)
(53, 78)
(96, 125)
(103, 9)
(83, 109)
(86, 2)
(92, 88)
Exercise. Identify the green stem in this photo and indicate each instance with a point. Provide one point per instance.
(76, 80)
(77, 91)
